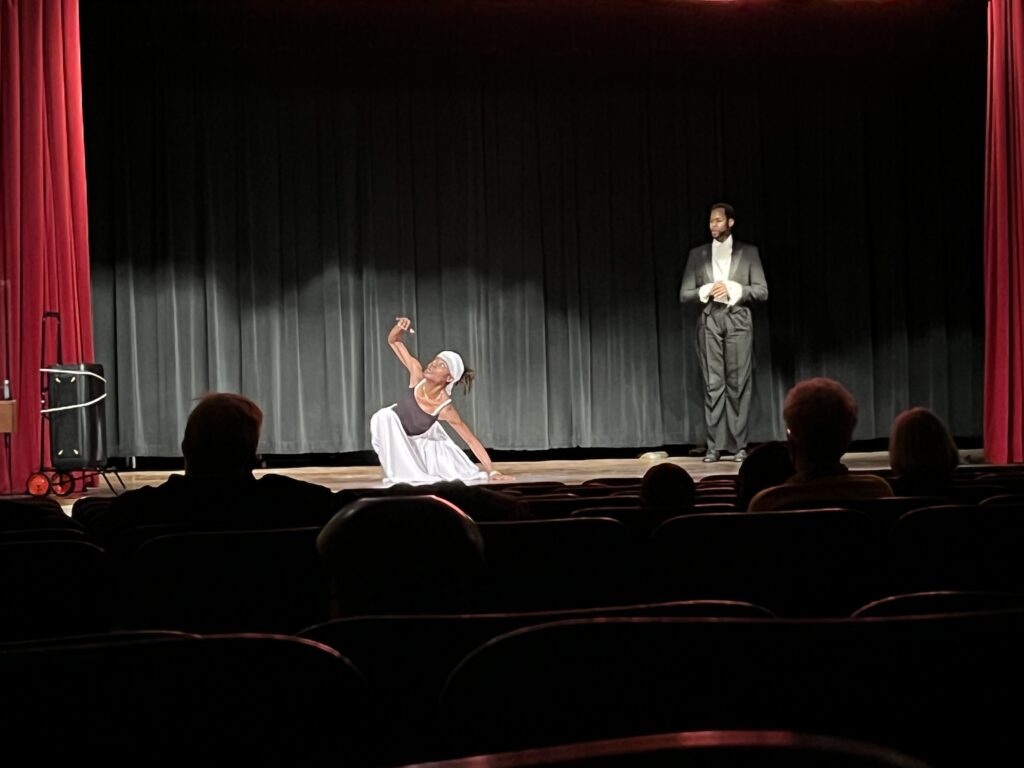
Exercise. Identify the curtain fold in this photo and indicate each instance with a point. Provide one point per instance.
(43, 221)
(1004, 234)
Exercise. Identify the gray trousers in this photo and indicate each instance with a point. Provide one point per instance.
(725, 338)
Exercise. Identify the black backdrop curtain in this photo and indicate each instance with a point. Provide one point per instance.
(271, 183)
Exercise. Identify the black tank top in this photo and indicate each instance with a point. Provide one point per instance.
(415, 421)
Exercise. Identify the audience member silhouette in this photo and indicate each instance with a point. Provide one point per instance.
(401, 554)
(768, 464)
(218, 488)
(922, 454)
(666, 490)
(820, 416)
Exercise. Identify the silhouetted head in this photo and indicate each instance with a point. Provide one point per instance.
(767, 465)
(920, 443)
(667, 486)
(401, 554)
(820, 417)
(221, 435)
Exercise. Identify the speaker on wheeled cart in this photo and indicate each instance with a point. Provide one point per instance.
(76, 394)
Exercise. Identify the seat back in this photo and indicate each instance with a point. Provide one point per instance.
(621, 482)
(973, 492)
(225, 581)
(43, 534)
(554, 507)
(53, 586)
(807, 563)
(957, 547)
(703, 749)
(218, 698)
(86, 507)
(34, 512)
(559, 563)
(575, 681)
(642, 521)
(1012, 482)
(717, 478)
(1003, 500)
(948, 601)
(528, 488)
(884, 510)
(635, 518)
(596, 489)
(407, 658)
(712, 496)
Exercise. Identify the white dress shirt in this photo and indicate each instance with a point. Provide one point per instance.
(721, 263)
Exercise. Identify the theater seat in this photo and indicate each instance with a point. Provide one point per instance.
(702, 749)
(939, 687)
(217, 699)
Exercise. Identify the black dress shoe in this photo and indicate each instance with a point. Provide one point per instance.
(710, 456)
(741, 454)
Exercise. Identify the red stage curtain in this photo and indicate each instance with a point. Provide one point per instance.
(1004, 234)
(43, 226)
(1004, 428)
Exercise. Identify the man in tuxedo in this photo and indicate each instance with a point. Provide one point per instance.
(726, 277)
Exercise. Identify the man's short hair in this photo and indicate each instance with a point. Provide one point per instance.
(820, 416)
(221, 435)
(729, 212)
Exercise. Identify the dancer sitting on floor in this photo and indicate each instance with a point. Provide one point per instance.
(412, 446)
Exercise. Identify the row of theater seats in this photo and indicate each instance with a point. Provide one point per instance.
(806, 563)
(718, 493)
(164, 676)
(403, 690)
(823, 562)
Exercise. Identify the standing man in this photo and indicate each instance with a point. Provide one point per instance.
(725, 276)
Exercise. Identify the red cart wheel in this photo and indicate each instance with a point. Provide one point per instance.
(38, 484)
(62, 483)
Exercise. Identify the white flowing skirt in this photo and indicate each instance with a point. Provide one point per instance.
(428, 458)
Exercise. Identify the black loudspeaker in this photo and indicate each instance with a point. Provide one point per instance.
(76, 394)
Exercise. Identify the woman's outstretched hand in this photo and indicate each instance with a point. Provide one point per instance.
(403, 324)
(498, 477)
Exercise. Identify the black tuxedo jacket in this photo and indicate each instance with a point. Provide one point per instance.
(745, 269)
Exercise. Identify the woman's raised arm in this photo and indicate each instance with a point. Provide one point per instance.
(397, 345)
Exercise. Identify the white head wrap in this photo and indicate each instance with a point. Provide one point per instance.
(455, 367)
